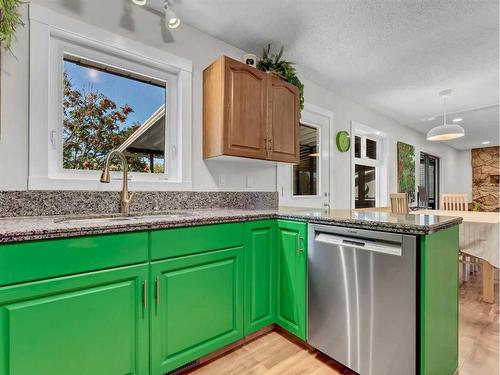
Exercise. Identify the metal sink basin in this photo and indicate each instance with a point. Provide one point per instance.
(117, 218)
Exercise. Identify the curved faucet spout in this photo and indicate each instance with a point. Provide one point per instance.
(106, 178)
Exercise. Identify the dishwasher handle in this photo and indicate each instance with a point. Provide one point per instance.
(355, 243)
(384, 247)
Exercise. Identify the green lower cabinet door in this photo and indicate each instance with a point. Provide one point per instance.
(292, 277)
(198, 306)
(94, 323)
(260, 274)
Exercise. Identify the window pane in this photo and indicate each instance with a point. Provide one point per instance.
(371, 148)
(357, 146)
(305, 174)
(364, 186)
(106, 109)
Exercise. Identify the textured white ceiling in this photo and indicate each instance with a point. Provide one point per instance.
(390, 55)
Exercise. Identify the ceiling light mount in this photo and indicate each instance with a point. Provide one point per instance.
(171, 19)
(446, 131)
(139, 2)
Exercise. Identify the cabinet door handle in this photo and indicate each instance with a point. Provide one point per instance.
(157, 288)
(298, 245)
(145, 294)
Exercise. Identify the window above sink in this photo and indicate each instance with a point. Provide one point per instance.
(92, 91)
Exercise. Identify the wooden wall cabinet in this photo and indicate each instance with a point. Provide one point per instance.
(249, 113)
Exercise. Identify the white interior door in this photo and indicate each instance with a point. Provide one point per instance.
(307, 184)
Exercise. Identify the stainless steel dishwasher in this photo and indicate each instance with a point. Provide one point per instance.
(362, 298)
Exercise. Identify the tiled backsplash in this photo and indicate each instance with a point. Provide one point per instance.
(37, 203)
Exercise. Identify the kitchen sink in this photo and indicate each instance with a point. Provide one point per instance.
(117, 218)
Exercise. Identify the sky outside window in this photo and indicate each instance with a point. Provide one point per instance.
(143, 97)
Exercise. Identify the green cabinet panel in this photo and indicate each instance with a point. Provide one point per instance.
(198, 306)
(260, 274)
(439, 302)
(88, 324)
(171, 243)
(37, 260)
(292, 276)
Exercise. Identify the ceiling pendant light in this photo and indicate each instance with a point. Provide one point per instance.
(446, 131)
(139, 2)
(171, 19)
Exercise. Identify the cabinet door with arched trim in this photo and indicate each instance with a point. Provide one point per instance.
(283, 121)
(245, 102)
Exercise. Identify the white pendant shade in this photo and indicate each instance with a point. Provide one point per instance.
(446, 131)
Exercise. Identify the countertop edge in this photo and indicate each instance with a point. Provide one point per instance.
(33, 235)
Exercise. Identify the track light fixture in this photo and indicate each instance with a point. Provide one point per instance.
(171, 19)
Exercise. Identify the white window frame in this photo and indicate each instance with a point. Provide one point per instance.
(380, 163)
(52, 36)
(321, 119)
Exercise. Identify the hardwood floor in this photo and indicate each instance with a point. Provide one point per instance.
(272, 354)
(479, 330)
(275, 354)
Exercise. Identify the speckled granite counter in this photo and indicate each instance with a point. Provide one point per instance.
(382, 221)
(25, 228)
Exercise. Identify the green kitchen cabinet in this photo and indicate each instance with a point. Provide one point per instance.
(260, 274)
(198, 306)
(292, 276)
(95, 323)
(439, 302)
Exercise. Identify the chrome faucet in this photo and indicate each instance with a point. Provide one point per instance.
(105, 177)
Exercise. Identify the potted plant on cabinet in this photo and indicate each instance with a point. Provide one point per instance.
(274, 64)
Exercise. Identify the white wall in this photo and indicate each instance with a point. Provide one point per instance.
(463, 181)
(201, 49)
(346, 111)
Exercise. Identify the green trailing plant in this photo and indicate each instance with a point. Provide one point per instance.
(275, 64)
(9, 20)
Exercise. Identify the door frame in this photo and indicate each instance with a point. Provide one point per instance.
(322, 119)
(437, 176)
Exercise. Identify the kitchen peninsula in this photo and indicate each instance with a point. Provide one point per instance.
(113, 283)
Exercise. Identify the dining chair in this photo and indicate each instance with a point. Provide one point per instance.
(454, 202)
(399, 203)
(458, 202)
(423, 197)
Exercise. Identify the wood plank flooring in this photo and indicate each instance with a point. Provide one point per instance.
(275, 354)
(478, 330)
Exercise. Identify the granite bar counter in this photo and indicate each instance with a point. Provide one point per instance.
(26, 228)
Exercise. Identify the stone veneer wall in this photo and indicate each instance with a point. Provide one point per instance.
(485, 174)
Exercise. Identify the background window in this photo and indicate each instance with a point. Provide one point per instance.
(305, 174)
(371, 148)
(105, 109)
(364, 186)
(357, 147)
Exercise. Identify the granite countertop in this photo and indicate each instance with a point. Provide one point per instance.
(25, 228)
